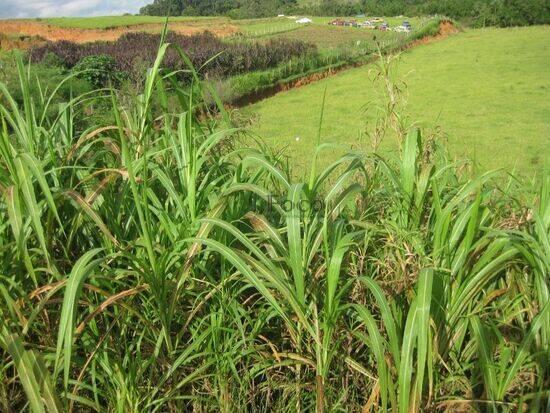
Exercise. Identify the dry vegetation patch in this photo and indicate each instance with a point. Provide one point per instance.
(55, 33)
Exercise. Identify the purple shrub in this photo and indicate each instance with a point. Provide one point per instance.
(132, 50)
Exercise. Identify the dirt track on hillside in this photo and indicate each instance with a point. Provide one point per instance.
(54, 33)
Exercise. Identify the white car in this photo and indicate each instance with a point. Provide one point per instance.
(402, 29)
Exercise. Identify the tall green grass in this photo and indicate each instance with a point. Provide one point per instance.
(145, 267)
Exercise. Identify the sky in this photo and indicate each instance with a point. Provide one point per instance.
(64, 8)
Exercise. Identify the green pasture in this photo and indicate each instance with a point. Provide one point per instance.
(486, 92)
(107, 22)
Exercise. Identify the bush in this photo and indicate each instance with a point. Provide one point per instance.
(97, 70)
(52, 60)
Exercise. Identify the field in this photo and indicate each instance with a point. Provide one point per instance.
(321, 33)
(487, 89)
(160, 253)
(325, 36)
(81, 35)
(111, 27)
(109, 22)
(106, 22)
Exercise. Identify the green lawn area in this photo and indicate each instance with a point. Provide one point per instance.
(106, 22)
(488, 89)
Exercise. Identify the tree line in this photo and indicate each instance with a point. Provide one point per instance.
(502, 13)
(231, 8)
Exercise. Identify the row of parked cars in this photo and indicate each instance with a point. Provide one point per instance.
(375, 24)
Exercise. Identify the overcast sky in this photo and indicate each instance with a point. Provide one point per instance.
(59, 8)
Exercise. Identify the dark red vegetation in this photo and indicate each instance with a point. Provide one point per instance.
(209, 54)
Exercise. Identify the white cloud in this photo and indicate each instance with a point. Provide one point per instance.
(63, 8)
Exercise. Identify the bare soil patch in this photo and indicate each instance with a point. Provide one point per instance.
(446, 29)
(54, 33)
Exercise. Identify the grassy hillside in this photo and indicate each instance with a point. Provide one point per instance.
(261, 26)
(487, 89)
(106, 22)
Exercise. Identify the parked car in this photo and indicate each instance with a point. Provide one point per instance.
(402, 29)
(384, 27)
